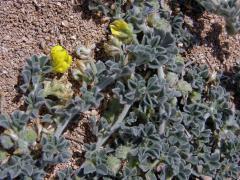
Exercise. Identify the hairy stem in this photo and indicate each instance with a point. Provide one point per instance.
(162, 126)
(161, 74)
(105, 83)
(115, 126)
(61, 126)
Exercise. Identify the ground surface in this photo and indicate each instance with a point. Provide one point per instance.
(30, 27)
(216, 48)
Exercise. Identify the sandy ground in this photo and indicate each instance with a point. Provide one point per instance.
(216, 48)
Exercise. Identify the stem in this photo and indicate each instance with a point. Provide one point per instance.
(61, 127)
(161, 74)
(162, 126)
(115, 126)
(135, 40)
(105, 83)
(155, 163)
(93, 65)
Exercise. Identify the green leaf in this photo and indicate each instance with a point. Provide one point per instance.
(102, 169)
(6, 142)
(150, 176)
(29, 135)
(122, 152)
(88, 167)
(3, 155)
(113, 164)
(184, 87)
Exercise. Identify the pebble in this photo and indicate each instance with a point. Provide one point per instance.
(180, 44)
(206, 178)
(3, 49)
(4, 72)
(94, 112)
(42, 44)
(73, 37)
(24, 39)
(212, 21)
(65, 23)
(6, 38)
(59, 4)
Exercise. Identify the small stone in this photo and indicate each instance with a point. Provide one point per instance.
(73, 37)
(94, 113)
(206, 178)
(180, 44)
(212, 21)
(42, 44)
(65, 23)
(6, 38)
(3, 49)
(4, 72)
(24, 39)
(59, 4)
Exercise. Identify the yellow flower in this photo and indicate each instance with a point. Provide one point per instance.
(122, 30)
(61, 60)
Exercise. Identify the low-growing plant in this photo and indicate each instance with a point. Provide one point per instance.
(165, 119)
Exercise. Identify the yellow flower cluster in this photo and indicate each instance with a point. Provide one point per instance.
(122, 30)
(61, 60)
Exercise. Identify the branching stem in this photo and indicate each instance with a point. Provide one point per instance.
(116, 125)
(162, 126)
(61, 127)
(161, 74)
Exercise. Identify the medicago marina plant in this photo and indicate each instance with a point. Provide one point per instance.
(166, 119)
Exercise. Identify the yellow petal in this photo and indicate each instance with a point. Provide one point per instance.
(121, 30)
(61, 60)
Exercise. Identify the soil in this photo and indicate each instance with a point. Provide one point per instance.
(216, 48)
(33, 26)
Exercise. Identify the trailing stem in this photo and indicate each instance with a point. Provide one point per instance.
(62, 127)
(115, 127)
(160, 72)
(162, 126)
